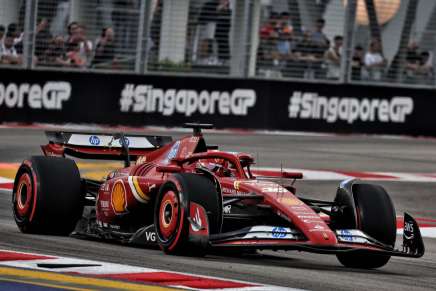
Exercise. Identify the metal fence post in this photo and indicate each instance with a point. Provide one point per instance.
(29, 33)
(253, 37)
(143, 36)
(347, 52)
(239, 41)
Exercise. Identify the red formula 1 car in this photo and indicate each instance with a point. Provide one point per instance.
(188, 197)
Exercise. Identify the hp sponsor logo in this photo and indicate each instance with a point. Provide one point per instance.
(346, 235)
(278, 232)
(94, 140)
(126, 141)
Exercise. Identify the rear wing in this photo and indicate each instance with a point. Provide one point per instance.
(106, 146)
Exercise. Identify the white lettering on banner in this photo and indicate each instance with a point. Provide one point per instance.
(50, 96)
(306, 105)
(145, 98)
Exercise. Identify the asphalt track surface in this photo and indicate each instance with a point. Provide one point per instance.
(293, 269)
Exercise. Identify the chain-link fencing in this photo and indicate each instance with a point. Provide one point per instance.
(364, 41)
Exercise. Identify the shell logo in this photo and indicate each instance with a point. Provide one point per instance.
(118, 198)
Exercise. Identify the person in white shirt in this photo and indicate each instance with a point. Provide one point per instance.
(8, 53)
(374, 61)
(333, 58)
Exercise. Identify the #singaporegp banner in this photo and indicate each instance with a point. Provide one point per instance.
(140, 100)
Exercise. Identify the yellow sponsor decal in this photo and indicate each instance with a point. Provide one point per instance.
(290, 201)
(119, 201)
(139, 190)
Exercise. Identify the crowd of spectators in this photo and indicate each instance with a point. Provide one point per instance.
(74, 49)
(308, 53)
(284, 50)
(418, 64)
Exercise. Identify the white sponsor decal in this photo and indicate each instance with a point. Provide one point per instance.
(270, 232)
(150, 236)
(352, 236)
(307, 105)
(197, 222)
(227, 209)
(108, 141)
(50, 96)
(145, 98)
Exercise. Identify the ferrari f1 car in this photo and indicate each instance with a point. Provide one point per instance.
(188, 197)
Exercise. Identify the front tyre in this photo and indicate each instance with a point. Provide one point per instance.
(375, 215)
(173, 217)
(47, 197)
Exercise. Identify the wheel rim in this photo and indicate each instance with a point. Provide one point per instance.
(168, 215)
(23, 199)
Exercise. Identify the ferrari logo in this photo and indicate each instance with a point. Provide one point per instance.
(236, 185)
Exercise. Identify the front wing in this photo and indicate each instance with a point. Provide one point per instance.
(349, 240)
(272, 238)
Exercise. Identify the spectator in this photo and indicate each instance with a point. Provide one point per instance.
(17, 36)
(2, 32)
(268, 56)
(285, 42)
(8, 53)
(55, 54)
(285, 21)
(418, 65)
(425, 65)
(374, 60)
(309, 58)
(270, 28)
(73, 57)
(78, 35)
(333, 58)
(70, 29)
(125, 19)
(318, 37)
(222, 33)
(105, 49)
(357, 62)
(42, 39)
(207, 21)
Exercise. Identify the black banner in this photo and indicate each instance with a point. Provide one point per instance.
(120, 99)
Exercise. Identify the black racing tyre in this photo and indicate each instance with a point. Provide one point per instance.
(172, 206)
(376, 217)
(47, 197)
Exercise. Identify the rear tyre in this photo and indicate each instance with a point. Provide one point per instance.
(172, 212)
(375, 215)
(47, 197)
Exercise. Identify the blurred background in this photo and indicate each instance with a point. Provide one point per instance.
(339, 41)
